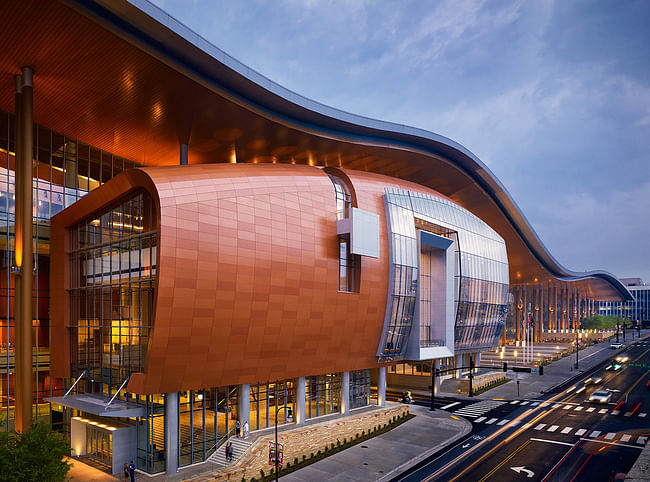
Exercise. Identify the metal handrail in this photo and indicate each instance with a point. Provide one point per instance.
(75, 383)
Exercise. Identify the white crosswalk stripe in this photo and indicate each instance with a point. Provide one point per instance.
(581, 432)
(602, 410)
(480, 419)
(642, 440)
(590, 409)
(615, 412)
(557, 405)
(540, 426)
(514, 402)
(534, 404)
(578, 408)
(479, 408)
(610, 435)
(552, 428)
(545, 404)
(566, 429)
(525, 402)
(503, 422)
(491, 421)
(626, 438)
(628, 414)
(594, 434)
(567, 407)
(642, 415)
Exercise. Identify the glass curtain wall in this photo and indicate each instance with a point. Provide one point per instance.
(359, 388)
(112, 277)
(151, 435)
(322, 394)
(266, 399)
(207, 418)
(481, 270)
(64, 171)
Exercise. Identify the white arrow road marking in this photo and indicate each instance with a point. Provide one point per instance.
(465, 445)
(519, 470)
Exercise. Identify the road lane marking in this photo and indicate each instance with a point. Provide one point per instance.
(525, 402)
(491, 421)
(594, 434)
(578, 408)
(602, 410)
(580, 432)
(610, 435)
(503, 422)
(497, 467)
(545, 404)
(514, 402)
(552, 428)
(534, 404)
(590, 409)
(642, 415)
(626, 438)
(540, 426)
(567, 407)
(480, 419)
(450, 405)
(551, 441)
(615, 412)
(628, 414)
(557, 405)
(566, 429)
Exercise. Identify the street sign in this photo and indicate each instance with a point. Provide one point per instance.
(272, 453)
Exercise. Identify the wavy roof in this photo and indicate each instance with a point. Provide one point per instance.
(144, 83)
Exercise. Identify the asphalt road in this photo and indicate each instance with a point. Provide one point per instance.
(561, 437)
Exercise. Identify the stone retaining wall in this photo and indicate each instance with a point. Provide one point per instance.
(305, 440)
(481, 381)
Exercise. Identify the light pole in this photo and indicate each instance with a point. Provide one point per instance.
(577, 345)
(277, 451)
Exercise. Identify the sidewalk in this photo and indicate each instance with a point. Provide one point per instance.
(384, 456)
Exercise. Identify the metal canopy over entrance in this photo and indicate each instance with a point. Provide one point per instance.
(97, 406)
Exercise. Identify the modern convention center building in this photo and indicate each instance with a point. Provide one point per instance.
(185, 243)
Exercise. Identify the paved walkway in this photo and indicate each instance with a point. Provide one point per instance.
(384, 456)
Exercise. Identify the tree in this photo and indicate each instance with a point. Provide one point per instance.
(36, 455)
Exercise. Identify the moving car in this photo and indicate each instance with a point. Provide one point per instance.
(616, 345)
(593, 381)
(601, 396)
(614, 366)
(622, 359)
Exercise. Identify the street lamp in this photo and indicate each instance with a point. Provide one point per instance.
(277, 451)
(577, 345)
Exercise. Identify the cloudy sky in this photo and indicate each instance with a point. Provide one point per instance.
(553, 96)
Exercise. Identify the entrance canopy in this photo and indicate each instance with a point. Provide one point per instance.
(97, 405)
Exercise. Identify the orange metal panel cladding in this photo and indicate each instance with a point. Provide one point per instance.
(247, 275)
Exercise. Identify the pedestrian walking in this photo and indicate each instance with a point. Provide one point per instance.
(237, 427)
(246, 429)
(126, 473)
(231, 451)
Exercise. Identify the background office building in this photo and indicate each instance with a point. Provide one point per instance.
(204, 246)
(635, 310)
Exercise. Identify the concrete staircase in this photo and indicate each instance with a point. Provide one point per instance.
(240, 447)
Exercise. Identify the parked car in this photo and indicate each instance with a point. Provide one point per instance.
(601, 396)
(616, 345)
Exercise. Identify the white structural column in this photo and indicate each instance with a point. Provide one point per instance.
(171, 432)
(477, 360)
(381, 387)
(345, 393)
(301, 414)
(437, 367)
(244, 405)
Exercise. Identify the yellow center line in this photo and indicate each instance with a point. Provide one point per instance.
(497, 467)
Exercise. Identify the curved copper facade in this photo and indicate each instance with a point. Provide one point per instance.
(247, 275)
(145, 83)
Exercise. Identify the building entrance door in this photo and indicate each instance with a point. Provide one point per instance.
(99, 444)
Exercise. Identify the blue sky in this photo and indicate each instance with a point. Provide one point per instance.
(553, 96)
